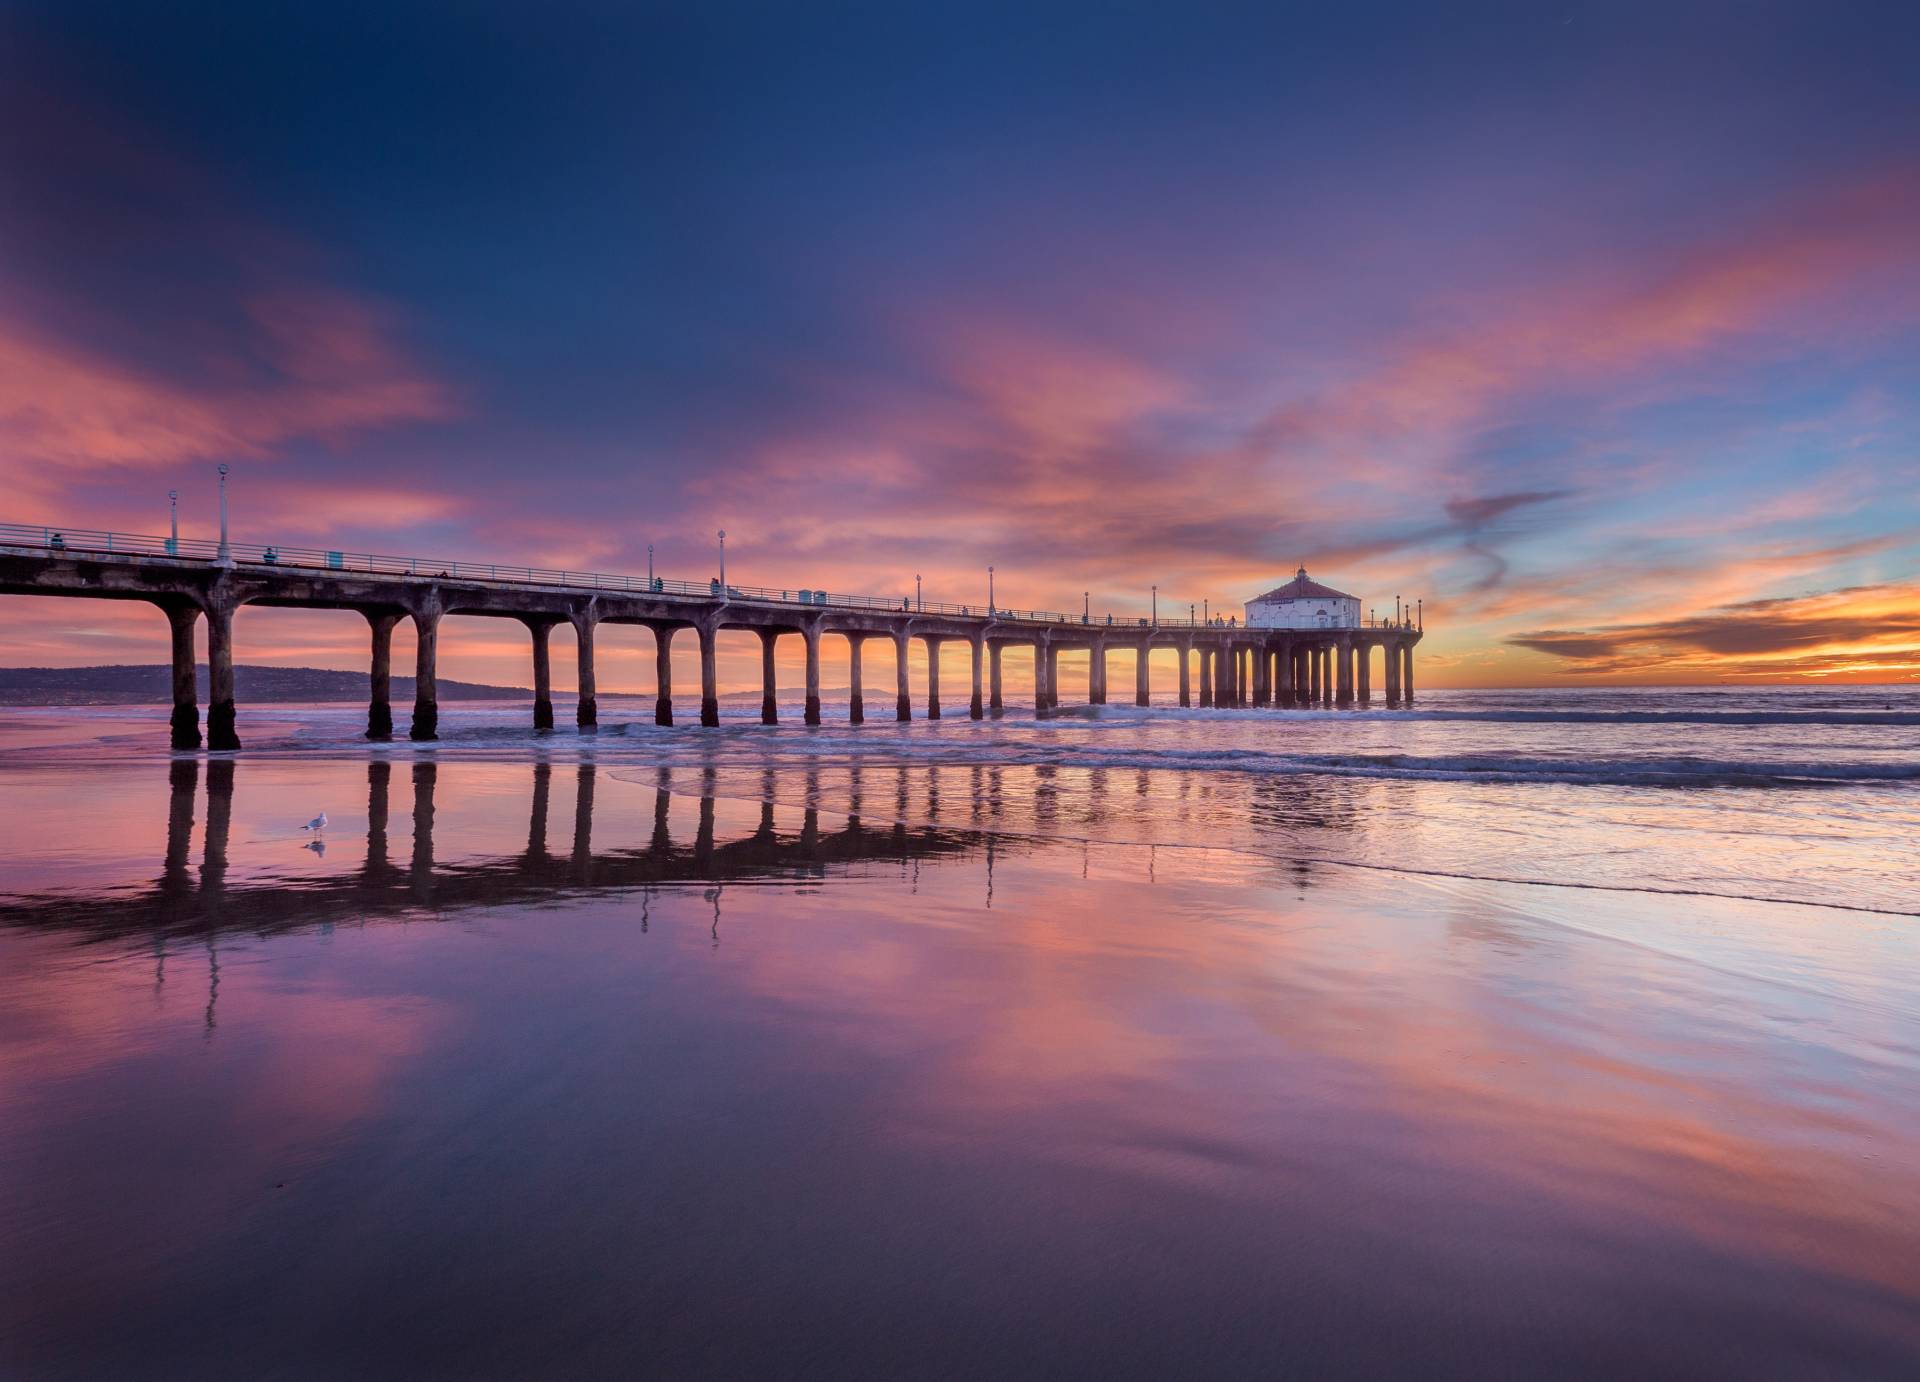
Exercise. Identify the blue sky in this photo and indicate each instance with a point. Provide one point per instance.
(1596, 327)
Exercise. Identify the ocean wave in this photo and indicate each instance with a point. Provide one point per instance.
(1683, 772)
(1502, 716)
(749, 743)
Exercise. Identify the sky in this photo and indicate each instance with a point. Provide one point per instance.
(1593, 327)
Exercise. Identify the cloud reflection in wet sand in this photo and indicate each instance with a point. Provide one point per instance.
(708, 1072)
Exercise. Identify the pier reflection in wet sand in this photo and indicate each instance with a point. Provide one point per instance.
(686, 1072)
(181, 900)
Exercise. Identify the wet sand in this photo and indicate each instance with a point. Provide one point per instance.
(543, 1069)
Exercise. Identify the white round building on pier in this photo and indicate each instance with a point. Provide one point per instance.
(1304, 604)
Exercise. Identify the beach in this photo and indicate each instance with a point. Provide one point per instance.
(1518, 1035)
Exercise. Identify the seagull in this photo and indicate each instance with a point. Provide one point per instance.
(319, 822)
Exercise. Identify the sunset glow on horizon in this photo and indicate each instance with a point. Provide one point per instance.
(1596, 331)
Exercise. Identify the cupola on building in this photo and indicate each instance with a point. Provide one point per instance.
(1304, 604)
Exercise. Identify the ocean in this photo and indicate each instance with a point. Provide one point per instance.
(1566, 1032)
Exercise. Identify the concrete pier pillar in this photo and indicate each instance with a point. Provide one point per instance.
(222, 732)
(1097, 672)
(933, 677)
(1206, 676)
(709, 676)
(1365, 651)
(856, 706)
(1140, 674)
(1313, 676)
(662, 675)
(811, 713)
(1406, 677)
(1390, 661)
(1343, 662)
(1185, 652)
(588, 714)
(380, 676)
(976, 705)
(1261, 659)
(184, 726)
(1053, 676)
(769, 702)
(994, 683)
(1225, 694)
(542, 673)
(902, 688)
(426, 684)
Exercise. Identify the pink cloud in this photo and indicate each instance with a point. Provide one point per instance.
(316, 364)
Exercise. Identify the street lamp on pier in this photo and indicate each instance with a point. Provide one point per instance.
(919, 605)
(1156, 606)
(173, 522)
(1086, 607)
(723, 563)
(649, 566)
(225, 554)
(989, 590)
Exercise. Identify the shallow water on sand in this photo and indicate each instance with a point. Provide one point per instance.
(648, 1054)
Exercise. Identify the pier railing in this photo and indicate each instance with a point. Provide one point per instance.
(207, 551)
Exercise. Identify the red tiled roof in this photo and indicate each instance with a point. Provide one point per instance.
(1300, 588)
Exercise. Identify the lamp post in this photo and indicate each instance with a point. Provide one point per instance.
(723, 563)
(1086, 607)
(1189, 613)
(225, 553)
(1420, 613)
(919, 605)
(649, 566)
(1156, 606)
(1206, 614)
(173, 522)
(989, 590)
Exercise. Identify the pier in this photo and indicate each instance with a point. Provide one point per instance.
(189, 579)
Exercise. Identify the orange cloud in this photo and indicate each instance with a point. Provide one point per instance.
(1869, 633)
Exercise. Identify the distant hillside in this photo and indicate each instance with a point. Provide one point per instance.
(152, 684)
